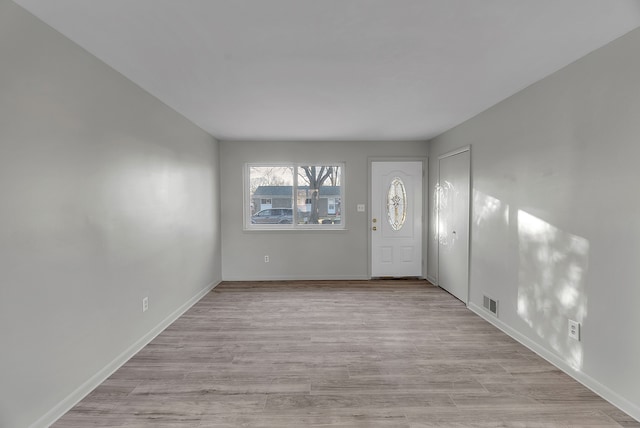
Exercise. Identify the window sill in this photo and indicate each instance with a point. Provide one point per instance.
(297, 229)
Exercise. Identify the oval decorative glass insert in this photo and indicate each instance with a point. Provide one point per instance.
(396, 204)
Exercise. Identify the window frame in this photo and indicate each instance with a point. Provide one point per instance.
(293, 226)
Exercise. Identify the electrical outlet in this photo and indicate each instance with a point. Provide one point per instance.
(145, 304)
(574, 330)
(360, 208)
(266, 259)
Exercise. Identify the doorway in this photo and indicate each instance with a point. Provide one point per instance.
(453, 222)
(396, 218)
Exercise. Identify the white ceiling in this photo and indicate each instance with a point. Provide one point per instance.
(336, 69)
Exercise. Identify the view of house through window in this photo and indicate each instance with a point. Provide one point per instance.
(295, 196)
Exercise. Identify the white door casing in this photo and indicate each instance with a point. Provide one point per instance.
(396, 218)
(453, 223)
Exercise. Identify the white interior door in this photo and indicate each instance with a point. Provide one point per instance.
(453, 224)
(396, 219)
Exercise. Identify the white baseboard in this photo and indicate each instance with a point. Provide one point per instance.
(586, 380)
(297, 278)
(431, 279)
(83, 390)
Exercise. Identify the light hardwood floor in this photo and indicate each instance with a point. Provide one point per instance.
(338, 354)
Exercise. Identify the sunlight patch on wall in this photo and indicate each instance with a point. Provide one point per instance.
(551, 283)
(491, 233)
(444, 195)
(486, 207)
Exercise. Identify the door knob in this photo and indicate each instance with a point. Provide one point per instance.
(374, 220)
(374, 228)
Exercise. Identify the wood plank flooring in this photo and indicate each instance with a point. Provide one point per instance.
(337, 354)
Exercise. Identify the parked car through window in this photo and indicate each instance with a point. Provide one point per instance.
(273, 216)
(304, 196)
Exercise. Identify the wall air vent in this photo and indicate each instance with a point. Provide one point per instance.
(491, 305)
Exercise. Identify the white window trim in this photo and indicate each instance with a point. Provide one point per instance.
(294, 226)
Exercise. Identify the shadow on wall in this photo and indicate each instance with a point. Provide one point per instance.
(552, 269)
(551, 283)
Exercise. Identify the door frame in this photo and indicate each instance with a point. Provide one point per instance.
(457, 151)
(425, 205)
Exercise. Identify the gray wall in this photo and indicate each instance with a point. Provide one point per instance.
(106, 196)
(301, 254)
(556, 216)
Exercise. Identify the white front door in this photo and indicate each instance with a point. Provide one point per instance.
(396, 219)
(453, 223)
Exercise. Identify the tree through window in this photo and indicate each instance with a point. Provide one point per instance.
(322, 185)
(311, 194)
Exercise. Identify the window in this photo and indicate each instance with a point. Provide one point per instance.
(294, 196)
(396, 204)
